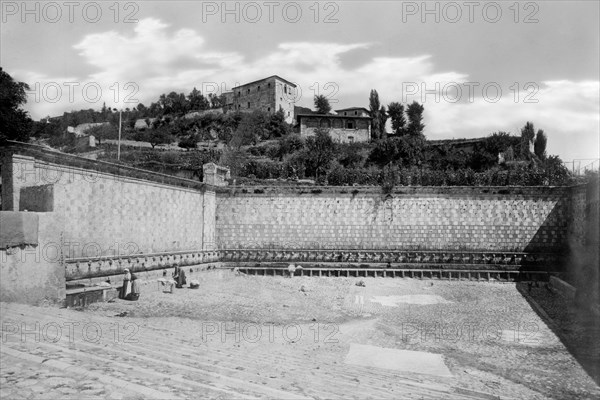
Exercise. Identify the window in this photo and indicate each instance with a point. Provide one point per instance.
(288, 113)
(350, 139)
(248, 90)
(258, 90)
(269, 109)
(285, 89)
(239, 106)
(349, 124)
(269, 84)
(345, 113)
(281, 99)
(355, 112)
(248, 104)
(239, 94)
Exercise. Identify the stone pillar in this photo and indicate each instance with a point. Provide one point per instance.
(215, 175)
(17, 171)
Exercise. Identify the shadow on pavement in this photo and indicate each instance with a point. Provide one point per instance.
(576, 327)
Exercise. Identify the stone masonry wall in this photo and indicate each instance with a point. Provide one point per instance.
(107, 214)
(34, 273)
(473, 219)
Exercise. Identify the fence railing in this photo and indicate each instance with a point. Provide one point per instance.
(579, 167)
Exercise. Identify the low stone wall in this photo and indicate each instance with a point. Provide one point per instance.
(34, 273)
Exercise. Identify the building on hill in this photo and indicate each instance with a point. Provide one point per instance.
(268, 94)
(467, 145)
(354, 112)
(349, 125)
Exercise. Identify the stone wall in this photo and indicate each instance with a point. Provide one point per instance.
(584, 244)
(105, 213)
(35, 273)
(457, 218)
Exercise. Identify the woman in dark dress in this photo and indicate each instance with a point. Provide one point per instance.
(179, 277)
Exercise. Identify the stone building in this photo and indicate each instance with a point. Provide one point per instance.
(349, 125)
(268, 94)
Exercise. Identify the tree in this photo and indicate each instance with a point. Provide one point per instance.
(396, 114)
(173, 103)
(539, 145)
(384, 152)
(252, 127)
(158, 136)
(322, 104)
(197, 101)
(383, 117)
(319, 152)
(15, 123)
(188, 142)
(103, 132)
(527, 136)
(374, 108)
(277, 126)
(414, 112)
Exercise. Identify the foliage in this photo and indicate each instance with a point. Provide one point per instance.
(289, 144)
(159, 134)
(527, 136)
(189, 142)
(539, 146)
(383, 117)
(322, 104)
(252, 128)
(396, 114)
(103, 132)
(374, 109)
(414, 113)
(404, 150)
(15, 123)
(319, 153)
(277, 127)
(350, 155)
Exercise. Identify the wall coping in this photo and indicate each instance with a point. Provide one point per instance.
(64, 159)
(267, 190)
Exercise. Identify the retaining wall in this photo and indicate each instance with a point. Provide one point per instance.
(447, 218)
(108, 211)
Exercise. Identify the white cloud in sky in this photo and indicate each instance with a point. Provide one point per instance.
(158, 61)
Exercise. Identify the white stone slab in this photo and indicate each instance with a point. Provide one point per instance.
(422, 299)
(418, 362)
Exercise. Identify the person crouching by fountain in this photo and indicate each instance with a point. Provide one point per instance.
(135, 289)
(126, 288)
(179, 277)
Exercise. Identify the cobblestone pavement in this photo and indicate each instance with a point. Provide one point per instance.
(265, 337)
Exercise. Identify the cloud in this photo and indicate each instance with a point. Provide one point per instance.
(157, 59)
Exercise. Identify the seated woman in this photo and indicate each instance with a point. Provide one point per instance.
(135, 289)
(179, 277)
(126, 288)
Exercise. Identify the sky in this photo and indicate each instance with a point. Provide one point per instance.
(477, 67)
